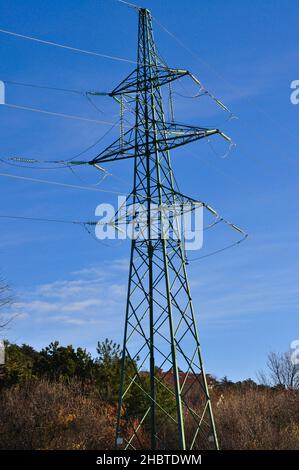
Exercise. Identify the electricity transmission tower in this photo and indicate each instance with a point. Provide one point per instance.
(162, 365)
(164, 399)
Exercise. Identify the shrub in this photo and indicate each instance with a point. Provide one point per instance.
(44, 415)
(258, 419)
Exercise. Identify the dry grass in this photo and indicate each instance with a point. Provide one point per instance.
(255, 419)
(43, 415)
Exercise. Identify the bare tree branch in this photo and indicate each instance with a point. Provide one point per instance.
(281, 371)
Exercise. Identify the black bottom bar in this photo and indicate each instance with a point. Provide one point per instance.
(127, 459)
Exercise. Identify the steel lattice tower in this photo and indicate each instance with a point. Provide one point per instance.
(161, 361)
(164, 399)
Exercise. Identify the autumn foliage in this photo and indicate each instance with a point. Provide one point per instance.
(61, 398)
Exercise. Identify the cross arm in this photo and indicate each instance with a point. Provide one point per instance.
(162, 137)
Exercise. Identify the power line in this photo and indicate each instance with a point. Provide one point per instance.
(95, 143)
(194, 55)
(65, 90)
(221, 249)
(63, 46)
(174, 37)
(40, 219)
(231, 86)
(84, 224)
(51, 113)
(16, 161)
(128, 4)
(56, 183)
(85, 94)
(33, 85)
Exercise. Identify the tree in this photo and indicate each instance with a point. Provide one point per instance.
(109, 362)
(18, 365)
(281, 371)
(137, 402)
(56, 362)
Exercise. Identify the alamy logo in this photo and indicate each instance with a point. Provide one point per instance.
(180, 221)
(2, 92)
(294, 346)
(2, 352)
(295, 94)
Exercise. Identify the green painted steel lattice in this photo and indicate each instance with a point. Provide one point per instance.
(162, 367)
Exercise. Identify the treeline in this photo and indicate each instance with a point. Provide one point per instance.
(56, 363)
(64, 363)
(63, 398)
(97, 377)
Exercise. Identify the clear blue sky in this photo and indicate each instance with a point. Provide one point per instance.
(72, 288)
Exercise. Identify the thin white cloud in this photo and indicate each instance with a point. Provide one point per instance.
(90, 296)
(72, 321)
(82, 305)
